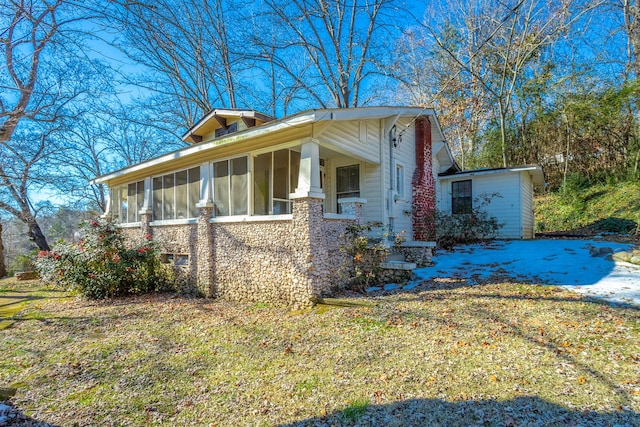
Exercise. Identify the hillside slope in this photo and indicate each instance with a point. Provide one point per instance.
(592, 210)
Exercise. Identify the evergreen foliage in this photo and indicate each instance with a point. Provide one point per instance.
(101, 266)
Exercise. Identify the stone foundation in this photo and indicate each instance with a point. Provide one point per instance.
(392, 275)
(288, 261)
(419, 253)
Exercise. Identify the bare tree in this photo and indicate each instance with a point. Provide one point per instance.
(188, 54)
(329, 49)
(42, 80)
(109, 137)
(28, 29)
(430, 77)
(21, 161)
(499, 42)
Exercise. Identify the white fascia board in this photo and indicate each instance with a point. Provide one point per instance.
(532, 169)
(299, 119)
(205, 146)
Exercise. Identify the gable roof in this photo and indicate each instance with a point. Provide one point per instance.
(218, 118)
(272, 132)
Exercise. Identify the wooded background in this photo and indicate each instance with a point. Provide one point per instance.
(88, 87)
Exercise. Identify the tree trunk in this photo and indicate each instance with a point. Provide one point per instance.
(36, 235)
(3, 268)
(503, 134)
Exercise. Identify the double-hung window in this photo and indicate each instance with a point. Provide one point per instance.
(347, 182)
(461, 197)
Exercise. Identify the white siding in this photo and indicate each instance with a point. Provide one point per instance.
(363, 143)
(358, 139)
(443, 194)
(528, 221)
(374, 209)
(405, 155)
(507, 207)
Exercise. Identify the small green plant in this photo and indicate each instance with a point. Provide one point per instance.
(367, 253)
(354, 411)
(102, 266)
(453, 229)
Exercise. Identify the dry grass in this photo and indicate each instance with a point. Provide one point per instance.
(448, 354)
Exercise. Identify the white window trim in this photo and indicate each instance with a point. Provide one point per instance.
(175, 221)
(249, 181)
(151, 201)
(251, 218)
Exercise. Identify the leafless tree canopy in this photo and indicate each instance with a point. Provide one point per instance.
(87, 87)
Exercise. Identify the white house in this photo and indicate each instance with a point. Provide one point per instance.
(254, 207)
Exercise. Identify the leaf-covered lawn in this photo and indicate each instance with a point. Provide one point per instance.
(496, 354)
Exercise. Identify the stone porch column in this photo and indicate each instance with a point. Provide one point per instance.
(353, 206)
(423, 183)
(308, 243)
(310, 263)
(146, 216)
(205, 251)
(146, 212)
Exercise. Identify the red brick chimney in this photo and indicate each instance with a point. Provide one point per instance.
(424, 190)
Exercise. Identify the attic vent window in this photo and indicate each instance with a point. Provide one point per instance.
(233, 127)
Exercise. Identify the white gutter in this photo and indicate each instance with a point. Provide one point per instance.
(302, 118)
(535, 171)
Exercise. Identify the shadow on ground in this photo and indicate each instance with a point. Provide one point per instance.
(526, 410)
(10, 416)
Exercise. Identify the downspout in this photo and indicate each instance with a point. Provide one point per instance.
(391, 173)
(389, 126)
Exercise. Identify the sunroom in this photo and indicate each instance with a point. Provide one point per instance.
(251, 173)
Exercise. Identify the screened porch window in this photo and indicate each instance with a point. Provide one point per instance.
(347, 183)
(126, 202)
(175, 195)
(231, 187)
(461, 197)
(275, 177)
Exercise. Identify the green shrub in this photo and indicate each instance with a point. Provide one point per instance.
(453, 229)
(367, 253)
(101, 266)
(615, 225)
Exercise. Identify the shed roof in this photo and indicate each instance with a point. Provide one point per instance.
(536, 172)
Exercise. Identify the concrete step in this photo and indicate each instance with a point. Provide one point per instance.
(394, 257)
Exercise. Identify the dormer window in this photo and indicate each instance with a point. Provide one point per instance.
(220, 122)
(233, 127)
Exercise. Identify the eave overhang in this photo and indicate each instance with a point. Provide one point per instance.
(536, 172)
(292, 128)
